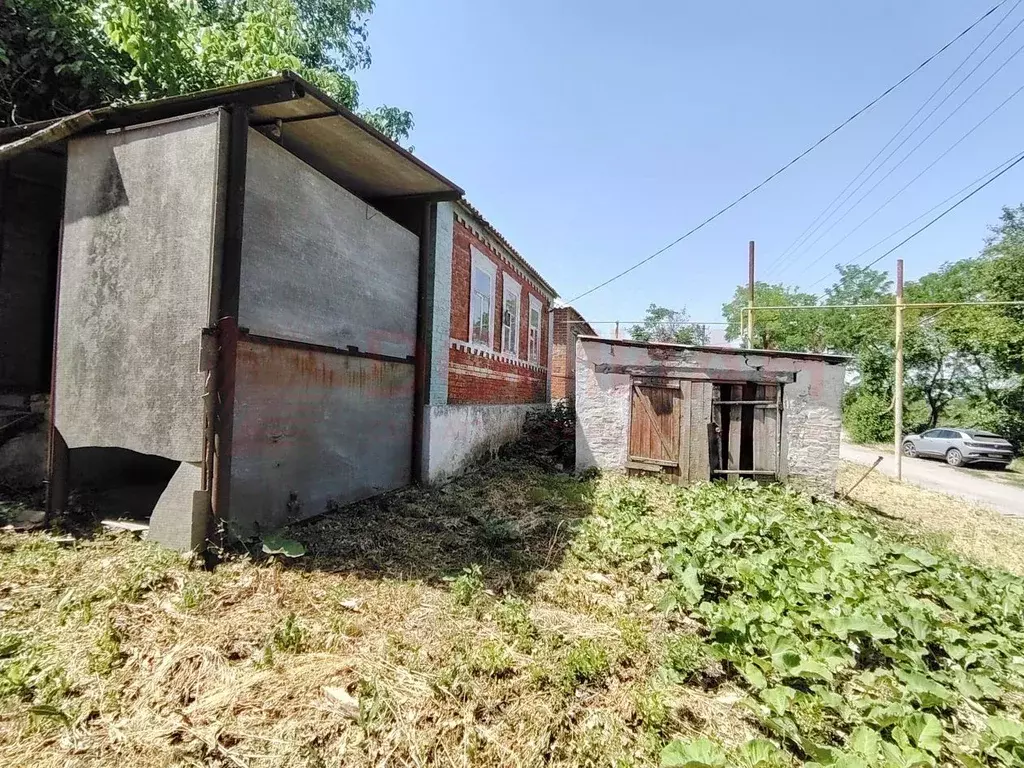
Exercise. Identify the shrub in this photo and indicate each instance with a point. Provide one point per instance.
(868, 418)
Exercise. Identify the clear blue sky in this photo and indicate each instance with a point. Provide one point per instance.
(592, 133)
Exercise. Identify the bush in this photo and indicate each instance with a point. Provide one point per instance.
(868, 418)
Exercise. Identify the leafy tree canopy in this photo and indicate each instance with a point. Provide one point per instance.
(669, 325)
(58, 56)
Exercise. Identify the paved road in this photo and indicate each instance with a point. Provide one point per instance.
(938, 476)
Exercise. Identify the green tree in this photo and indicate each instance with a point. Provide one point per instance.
(774, 329)
(142, 49)
(669, 325)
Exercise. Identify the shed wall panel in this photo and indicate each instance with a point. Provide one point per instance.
(314, 429)
(319, 265)
(135, 286)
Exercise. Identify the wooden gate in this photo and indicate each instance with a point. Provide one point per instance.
(688, 429)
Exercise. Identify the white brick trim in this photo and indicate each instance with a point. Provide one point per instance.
(490, 354)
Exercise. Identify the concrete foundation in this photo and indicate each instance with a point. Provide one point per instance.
(460, 435)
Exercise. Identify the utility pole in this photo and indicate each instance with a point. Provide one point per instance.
(750, 302)
(897, 400)
(616, 329)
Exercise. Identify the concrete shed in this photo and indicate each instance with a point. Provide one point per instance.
(703, 413)
(231, 311)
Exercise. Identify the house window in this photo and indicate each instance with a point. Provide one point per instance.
(510, 317)
(481, 302)
(534, 348)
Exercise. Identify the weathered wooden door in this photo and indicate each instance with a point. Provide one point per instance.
(654, 426)
(669, 428)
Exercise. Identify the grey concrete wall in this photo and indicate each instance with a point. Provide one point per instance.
(461, 435)
(315, 429)
(31, 187)
(318, 264)
(811, 404)
(135, 286)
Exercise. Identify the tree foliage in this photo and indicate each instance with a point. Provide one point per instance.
(964, 365)
(669, 326)
(57, 56)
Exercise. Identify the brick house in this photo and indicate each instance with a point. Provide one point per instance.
(499, 345)
(568, 326)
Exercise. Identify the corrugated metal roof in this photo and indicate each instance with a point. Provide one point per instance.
(313, 126)
(493, 232)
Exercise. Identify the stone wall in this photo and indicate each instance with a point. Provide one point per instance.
(811, 402)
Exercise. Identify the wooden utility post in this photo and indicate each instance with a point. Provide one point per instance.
(750, 302)
(897, 400)
(616, 329)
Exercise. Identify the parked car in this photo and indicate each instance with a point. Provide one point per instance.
(960, 446)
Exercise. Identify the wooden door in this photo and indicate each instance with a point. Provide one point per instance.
(654, 426)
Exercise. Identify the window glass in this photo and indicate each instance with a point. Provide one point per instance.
(932, 433)
(480, 307)
(534, 333)
(510, 322)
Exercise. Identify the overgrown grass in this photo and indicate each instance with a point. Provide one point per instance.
(943, 520)
(518, 618)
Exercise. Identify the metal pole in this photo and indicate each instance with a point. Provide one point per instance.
(616, 329)
(750, 303)
(898, 388)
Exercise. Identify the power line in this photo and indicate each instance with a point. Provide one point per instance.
(799, 157)
(1002, 168)
(948, 210)
(907, 156)
(909, 183)
(801, 238)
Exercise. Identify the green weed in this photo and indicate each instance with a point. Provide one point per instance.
(491, 659)
(290, 636)
(468, 585)
(686, 656)
(586, 663)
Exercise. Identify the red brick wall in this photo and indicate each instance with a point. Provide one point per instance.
(482, 376)
(569, 325)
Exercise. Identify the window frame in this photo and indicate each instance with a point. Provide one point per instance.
(511, 287)
(479, 261)
(533, 355)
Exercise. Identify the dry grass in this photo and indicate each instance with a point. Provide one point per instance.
(1012, 475)
(985, 536)
(450, 627)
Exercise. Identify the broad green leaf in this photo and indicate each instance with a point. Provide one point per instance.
(690, 586)
(864, 740)
(274, 544)
(778, 698)
(754, 675)
(760, 753)
(1006, 730)
(925, 731)
(698, 753)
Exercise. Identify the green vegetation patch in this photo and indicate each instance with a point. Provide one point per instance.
(856, 648)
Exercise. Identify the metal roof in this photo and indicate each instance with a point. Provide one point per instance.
(312, 125)
(825, 358)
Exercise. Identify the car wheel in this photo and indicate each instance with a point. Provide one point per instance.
(909, 449)
(954, 458)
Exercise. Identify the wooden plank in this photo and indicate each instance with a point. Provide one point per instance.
(762, 403)
(654, 423)
(654, 426)
(684, 430)
(735, 430)
(659, 462)
(697, 374)
(700, 418)
(766, 433)
(731, 472)
(644, 466)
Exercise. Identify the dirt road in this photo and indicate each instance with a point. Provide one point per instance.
(938, 476)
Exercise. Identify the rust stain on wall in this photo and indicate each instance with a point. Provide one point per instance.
(293, 368)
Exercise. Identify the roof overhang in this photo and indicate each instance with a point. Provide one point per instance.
(819, 356)
(304, 120)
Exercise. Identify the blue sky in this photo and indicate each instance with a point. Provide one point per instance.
(593, 133)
